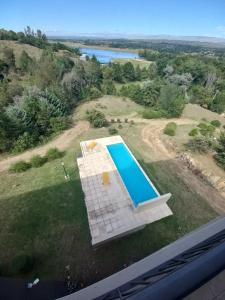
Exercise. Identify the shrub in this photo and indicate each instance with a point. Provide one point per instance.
(170, 129)
(199, 144)
(97, 119)
(59, 124)
(94, 93)
(120, 126)
(153, 114)
(23, 142)
(113, 131)
(132, 122)
(112, 121)
(53, 153)
(37, 161)
(118, 120)
(126, 120)
(202, 125)
(193, 132)
(220, 151)
(20, 166)
(216, 123)
(22, 264)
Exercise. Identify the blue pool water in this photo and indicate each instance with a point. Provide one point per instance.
(134, 179)
(105, 56)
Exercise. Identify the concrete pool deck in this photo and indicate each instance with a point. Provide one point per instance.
(109, 207)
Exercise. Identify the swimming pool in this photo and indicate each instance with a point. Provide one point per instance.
(138, 185)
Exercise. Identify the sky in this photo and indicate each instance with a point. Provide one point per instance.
(120, 17)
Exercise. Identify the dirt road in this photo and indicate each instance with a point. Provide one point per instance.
(62, 142)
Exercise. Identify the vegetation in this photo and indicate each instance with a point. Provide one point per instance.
(20, 166)
(53, 154)
(193, 132)
(199, 144)
(170, 129)
(22, 264)
(216, 123)
(220, 151)
(97, 119)
(38, 161)
(113, 130)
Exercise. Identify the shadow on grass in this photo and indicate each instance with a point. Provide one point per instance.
(51, 225)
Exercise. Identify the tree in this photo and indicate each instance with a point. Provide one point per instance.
(9, 57)
(25, 62)
(218, 103)
(128, 71)
(220, 151)
(171, 100)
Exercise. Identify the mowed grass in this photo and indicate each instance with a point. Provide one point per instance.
(111, 106)
(43, 215)
(136, 62)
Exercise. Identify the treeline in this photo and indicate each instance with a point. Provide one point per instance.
(201, 77)
(37, 39)
(164, 46)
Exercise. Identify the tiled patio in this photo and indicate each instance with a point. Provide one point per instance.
(109, 207)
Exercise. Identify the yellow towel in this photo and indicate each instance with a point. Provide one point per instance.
(105, 178)
(91, 145)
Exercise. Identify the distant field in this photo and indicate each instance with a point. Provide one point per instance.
(79, 45)
(136, 62)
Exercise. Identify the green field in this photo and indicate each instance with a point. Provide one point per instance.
(136, 62)
(44, 216)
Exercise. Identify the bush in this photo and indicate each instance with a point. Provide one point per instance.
(20, 166)
(216, 123)
(220, 151)
(199, 144)
(120, 126)
(193, 132)
(97, 119)
(112, 121)
(170, 129)
(118, 121)
(22, 264)
(59, 124)
(23, 142)
(126, 120)
(37, 161)
(53, 153)
(113, 131)
(153, 114)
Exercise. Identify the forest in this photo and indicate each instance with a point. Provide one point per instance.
(38, 96)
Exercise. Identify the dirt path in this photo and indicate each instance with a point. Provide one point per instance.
(152, 136)
(62, 142)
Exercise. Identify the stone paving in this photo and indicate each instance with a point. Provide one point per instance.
(109, 207)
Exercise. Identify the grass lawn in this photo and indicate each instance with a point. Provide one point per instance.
(44, 216)
(136, 62)
(111, 106)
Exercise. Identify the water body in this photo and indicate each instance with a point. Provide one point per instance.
(105, 56)
(133, 177)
